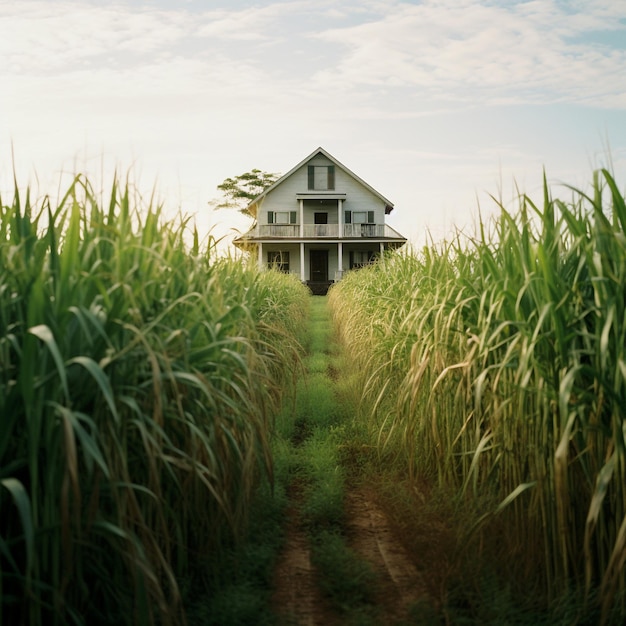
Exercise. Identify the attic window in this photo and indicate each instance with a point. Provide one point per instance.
(321, 177)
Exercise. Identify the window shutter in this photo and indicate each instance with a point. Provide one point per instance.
(311, 174)
(348, 217)
(370, 217)
(292, 217)
(351, 260)
(270, 217)
(331, 177)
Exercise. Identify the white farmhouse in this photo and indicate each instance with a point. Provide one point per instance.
(318, 221)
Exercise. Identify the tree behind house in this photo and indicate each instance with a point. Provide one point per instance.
(238, 192)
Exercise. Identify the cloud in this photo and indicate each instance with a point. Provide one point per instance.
(253, 24)
(484, 52)
(413, 57)
(53, 37)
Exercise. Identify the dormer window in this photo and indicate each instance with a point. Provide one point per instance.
(321, 177)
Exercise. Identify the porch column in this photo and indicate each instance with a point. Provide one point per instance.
(260, 260)
(301, 223)
(340, 258)
(340, 217)
(382, 247)
(302, 259)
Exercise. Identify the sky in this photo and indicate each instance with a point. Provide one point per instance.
(440, 105)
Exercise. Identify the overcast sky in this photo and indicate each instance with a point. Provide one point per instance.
(436, 103)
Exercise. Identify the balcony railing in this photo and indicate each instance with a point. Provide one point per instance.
(364, 230)
(313, 231)
(321, 230)
(275, 230)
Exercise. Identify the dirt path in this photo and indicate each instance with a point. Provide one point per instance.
(397, 586)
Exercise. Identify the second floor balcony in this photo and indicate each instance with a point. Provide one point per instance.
(324, 231)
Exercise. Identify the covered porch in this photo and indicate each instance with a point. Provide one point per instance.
(321, 263)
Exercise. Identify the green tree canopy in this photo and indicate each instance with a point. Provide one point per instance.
(239, 191)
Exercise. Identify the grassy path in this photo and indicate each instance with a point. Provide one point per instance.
(320, 548)
(341, 562)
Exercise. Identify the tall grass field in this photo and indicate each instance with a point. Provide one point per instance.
(494, 367)
(139, 374)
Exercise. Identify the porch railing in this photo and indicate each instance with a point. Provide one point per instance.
(312, 231)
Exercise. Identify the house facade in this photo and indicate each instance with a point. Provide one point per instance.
(319, 221)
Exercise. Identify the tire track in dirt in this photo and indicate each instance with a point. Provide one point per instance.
(297, 600)
(399, 583)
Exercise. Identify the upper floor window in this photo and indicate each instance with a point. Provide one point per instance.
(359, 217)
(281, 217)
(321, 177)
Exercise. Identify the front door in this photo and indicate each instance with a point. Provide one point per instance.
(319, 266)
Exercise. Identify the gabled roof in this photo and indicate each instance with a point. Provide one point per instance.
(330, 157)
